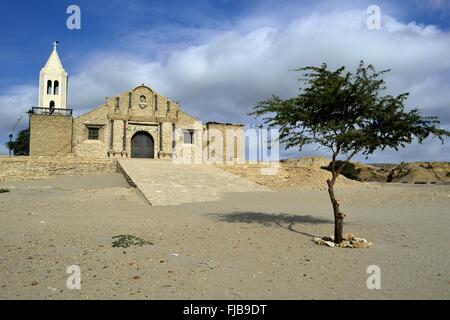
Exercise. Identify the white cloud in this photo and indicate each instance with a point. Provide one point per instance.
(222, 77)
(15, 103)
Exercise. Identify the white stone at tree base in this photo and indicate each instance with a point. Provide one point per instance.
(349, 241)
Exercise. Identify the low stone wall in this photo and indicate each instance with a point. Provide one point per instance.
(33, 168)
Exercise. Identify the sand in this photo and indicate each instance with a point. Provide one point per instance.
(291, 175)
(255, 245)
(307, 172)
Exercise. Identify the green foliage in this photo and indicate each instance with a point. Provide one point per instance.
(127, 240)
(21, 146)
(346, 114)
(348, 169)
(4, 190)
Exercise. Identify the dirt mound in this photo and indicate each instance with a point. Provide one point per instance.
(362, 172)
(290, 175)
(310, 173)
(415, 172)
(314, 162)
(369, 173)
(421, 172)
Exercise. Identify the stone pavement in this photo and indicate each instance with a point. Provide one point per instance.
(163, 182)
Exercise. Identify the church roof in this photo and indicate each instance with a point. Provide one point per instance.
(54, 64)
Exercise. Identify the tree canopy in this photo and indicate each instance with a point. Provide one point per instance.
(21, 146)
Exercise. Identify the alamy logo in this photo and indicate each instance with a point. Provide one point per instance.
(374, 20)
(74, 20)
(74, 280)
(374, 280)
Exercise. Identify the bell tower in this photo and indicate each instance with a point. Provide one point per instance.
(53, 83)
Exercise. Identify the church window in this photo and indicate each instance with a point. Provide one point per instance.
(188, 136)
(156, 102)
(56, 87)
(93, 133)
(49, 87)
(142, 99)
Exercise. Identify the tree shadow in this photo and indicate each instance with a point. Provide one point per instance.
(282, 220)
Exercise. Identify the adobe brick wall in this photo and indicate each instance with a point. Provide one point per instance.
(50, 135)
(33, 168)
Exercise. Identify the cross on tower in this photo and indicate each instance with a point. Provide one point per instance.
(55, 44)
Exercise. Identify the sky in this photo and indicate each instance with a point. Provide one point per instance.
(219, 58)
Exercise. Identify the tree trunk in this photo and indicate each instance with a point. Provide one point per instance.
(338, 216)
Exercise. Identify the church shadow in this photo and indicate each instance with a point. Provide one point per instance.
(282, 220)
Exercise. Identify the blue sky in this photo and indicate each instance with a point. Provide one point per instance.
(220, 57)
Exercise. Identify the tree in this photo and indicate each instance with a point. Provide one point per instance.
(346, 114)
(21, 146)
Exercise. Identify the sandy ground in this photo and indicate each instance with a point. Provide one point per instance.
(246, 246)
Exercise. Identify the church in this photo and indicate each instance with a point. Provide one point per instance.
(138, 123)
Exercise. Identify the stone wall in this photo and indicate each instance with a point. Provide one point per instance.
(84, 147)
(33, 168)
(166, 129)
(224, 142)
(156, 108)
(50, 135)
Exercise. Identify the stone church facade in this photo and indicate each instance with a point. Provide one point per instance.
(138, 123)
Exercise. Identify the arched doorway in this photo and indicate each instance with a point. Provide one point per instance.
(142, 145)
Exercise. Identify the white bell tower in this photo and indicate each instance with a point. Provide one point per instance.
(53, 83)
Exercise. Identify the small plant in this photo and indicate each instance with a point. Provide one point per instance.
(127, 240)
(4, 190)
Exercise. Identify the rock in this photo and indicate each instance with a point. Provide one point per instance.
(345, 244)
(355, 242)
(349, 237)
(318, 240)
(360, 245)
(330, 244)
(360, 240)
(34, 283)
(321, 241)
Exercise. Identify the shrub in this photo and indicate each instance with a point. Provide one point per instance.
(127, 240)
